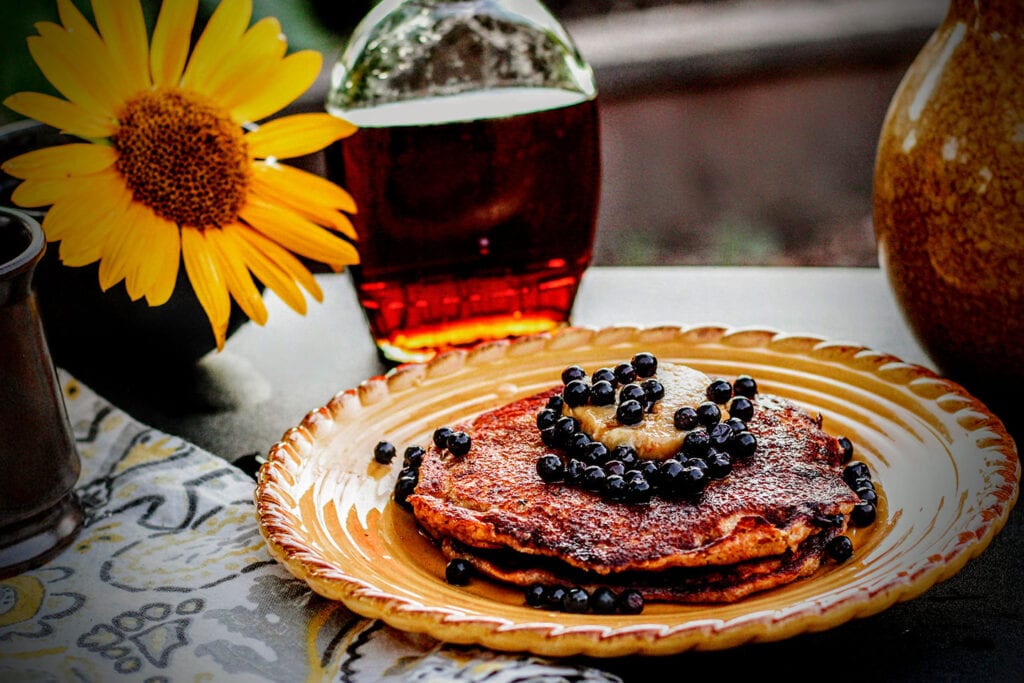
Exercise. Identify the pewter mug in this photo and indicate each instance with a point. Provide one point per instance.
(39, 464)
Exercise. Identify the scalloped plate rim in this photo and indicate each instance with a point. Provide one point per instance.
(553, 637)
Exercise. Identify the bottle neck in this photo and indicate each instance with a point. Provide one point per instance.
(989, 15)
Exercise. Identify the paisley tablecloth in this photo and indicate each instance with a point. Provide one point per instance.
(169, 580)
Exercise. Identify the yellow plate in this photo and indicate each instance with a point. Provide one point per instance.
(947, 469)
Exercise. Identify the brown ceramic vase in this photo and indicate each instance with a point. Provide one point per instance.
(949, 197)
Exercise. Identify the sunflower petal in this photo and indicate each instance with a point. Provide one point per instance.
(68, 76)
(207, 281)
(86, 39)
(311, 211)
(219, 39)
(298, 182)
(265, 260)
(61, 114)
(123, 28)
(233, 266)
(39, 192)
(304, 203)
(114, 262)
(90, 203)
(261, 45)
(282, 259)
(297, 234)
(61, 161)
(171, 38)
(82, 223)
(297, 135)
(165, 259)
(154, 244)
(252, 100)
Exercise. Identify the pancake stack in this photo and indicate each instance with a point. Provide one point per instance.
(765, 523)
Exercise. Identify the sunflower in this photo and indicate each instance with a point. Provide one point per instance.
(171, 168)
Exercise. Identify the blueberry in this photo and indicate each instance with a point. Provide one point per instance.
(546, 418)
(685, 418)
(696, 443)
(645, 364)
(574, 471)
(602, 601)
(441, 435)
(384, 452)
(602, 393)
(860, 483)
(719, 391)
(863, 514)
(626, 455)
(458, 572)
(615, 487)
(741, 407)
(409, 473)
(614, 467)
(535, 594)
(556, 403)
(576, 393)
(625, 373)
(699, 463)
(564, 428)
(743, 445)
(653, 389)
(638, 490)
(827, 521)
(630, 601)
(547, 435)
(868, 495)
(595, 453)
(572, 373)
(719, 464)
(413, 456)
(550, 467)
(692, 478)
(854, 471)
(604, 375)
(720, 435)
(630, 413)
(649, 468)
(631, 392)
(840, 548)
(745, 386)
(737, 425)
(633, 475)
(576, 601)
(403, 489)
(669, 475)
(576, 445)
(593, 478)
(553, 597)
(708, 413)
(459, 443)
(846, 447)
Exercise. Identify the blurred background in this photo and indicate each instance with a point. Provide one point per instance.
(734, 132)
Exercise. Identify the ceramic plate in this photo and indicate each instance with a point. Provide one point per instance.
(948, 475)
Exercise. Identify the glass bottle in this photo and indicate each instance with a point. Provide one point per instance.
(476, 170)
(949, 197)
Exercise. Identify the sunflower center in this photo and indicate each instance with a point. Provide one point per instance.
(183, 157)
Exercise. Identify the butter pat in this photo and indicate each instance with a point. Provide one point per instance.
(656, 435)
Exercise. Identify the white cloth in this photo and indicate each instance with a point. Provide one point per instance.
(170, 580)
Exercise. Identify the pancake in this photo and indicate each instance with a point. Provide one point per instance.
(763, 525)
(713, 583)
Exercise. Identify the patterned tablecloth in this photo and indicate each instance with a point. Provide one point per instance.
(169, 580)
